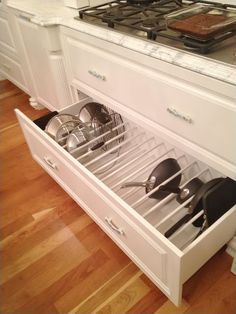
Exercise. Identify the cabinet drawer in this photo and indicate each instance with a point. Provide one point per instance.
(180, 107)
(132, 219)
(12, 70)
(137, 245)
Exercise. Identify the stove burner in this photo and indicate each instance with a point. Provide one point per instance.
(113, 13)
(150, 22)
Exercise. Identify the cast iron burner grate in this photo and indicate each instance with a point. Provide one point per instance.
(147, 18)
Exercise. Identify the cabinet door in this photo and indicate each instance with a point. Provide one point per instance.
(11, 66)
(46, 65)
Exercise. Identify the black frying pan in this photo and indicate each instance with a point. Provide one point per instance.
(219, 200)
(160, 173)
(187, 191)
(196, 205)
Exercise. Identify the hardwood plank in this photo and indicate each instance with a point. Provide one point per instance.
(11, 139)
(18, 223)
(74, 297)
(207, 276)
(43, 248)
(124, 298)
(41, 274)
(10, 93)
(168, 307)
(108, 289)
(36, 232)
(149, 303)
(44, 298)
(219, 298)
(39, 221)
(40, 193)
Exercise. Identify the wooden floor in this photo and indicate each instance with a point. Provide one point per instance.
(54, 259)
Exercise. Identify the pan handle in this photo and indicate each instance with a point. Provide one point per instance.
(97, 146)
(149, 183)
(130, 184)
(178, 224)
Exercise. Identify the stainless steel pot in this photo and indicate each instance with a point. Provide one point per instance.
(64, 131)
(57, 121)
(95, 114)
(81, 140)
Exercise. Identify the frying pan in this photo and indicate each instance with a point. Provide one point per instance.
(217, 201)
(195, 207)
(187, 191)
(160, 173)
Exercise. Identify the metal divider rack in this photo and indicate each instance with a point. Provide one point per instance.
(132, 159)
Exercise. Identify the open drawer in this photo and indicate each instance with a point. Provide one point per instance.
(134, 221)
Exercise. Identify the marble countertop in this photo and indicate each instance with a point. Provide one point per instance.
(52, 12)
(44, 12)
(203, 65)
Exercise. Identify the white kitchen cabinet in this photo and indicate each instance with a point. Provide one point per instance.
(43, 54)
(11, 66)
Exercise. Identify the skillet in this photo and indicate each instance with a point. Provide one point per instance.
(164, 170)
(196, 205)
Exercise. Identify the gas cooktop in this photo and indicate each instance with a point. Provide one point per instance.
(147, 19)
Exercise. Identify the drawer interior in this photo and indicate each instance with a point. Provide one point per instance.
(130, 154)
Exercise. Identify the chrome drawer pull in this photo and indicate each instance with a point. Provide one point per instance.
(50, 163)
(180, 115)
(114, 227)
(97, 75)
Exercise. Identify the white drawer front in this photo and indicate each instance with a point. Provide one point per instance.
(12, 70)
(183, 109)
(141, 248)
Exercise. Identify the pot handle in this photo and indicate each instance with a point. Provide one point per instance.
(130, 184)
(178, 224)
(97, 146)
